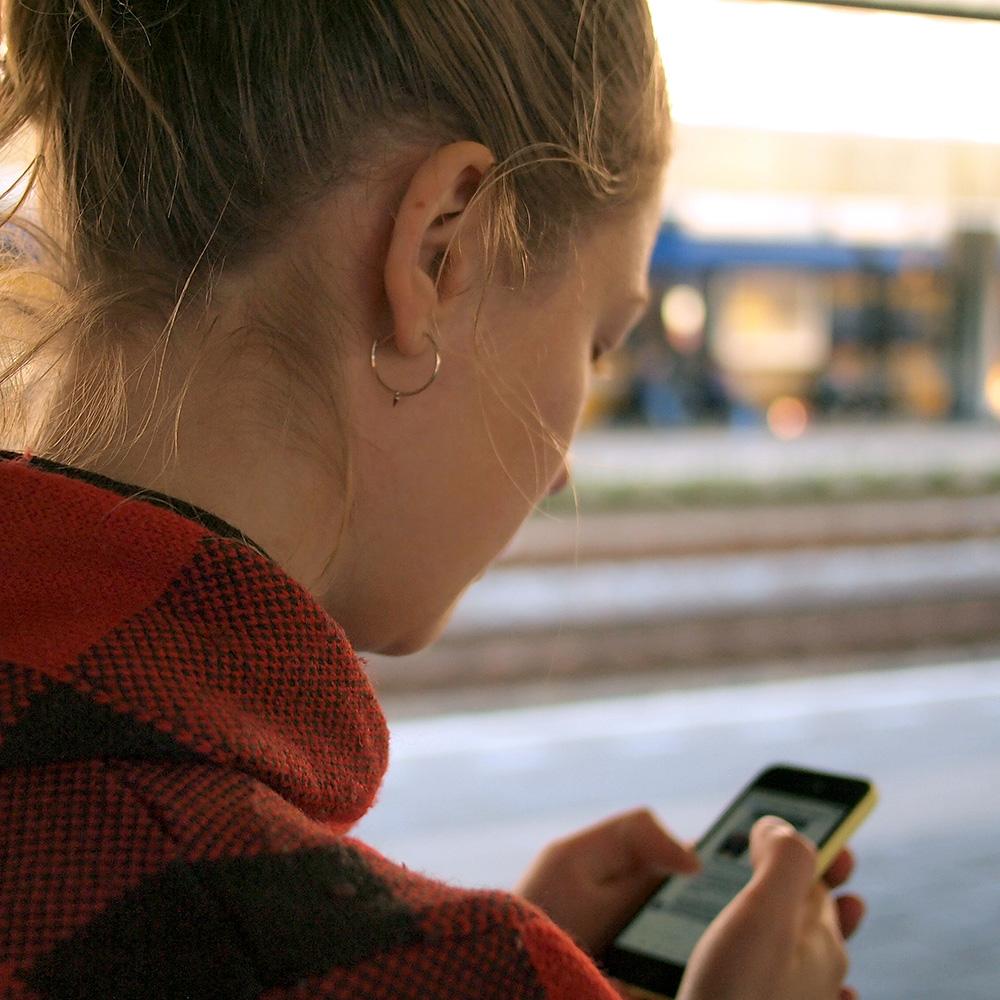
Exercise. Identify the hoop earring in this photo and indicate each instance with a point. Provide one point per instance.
(397, 393)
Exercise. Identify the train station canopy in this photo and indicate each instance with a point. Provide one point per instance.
(805, 117)
(974, 9)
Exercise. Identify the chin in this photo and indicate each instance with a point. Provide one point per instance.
(419, 638)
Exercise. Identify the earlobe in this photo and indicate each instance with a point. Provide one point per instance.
(434, 206)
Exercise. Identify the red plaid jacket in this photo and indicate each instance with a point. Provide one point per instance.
(186, 738)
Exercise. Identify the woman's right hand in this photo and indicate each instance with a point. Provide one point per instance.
(782, 937)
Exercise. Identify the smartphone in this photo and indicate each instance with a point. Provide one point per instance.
(651, 951)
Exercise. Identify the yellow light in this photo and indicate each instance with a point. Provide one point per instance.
(993, 390)
(788, 418)
(683, 312)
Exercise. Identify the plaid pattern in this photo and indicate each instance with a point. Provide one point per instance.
(185, 740)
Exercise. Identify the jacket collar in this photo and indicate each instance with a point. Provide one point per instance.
(135, 625)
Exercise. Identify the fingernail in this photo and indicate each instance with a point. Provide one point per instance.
(776, 823)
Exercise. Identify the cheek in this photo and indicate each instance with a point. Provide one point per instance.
(567, 393)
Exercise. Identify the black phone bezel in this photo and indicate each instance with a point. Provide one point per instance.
(663, 977)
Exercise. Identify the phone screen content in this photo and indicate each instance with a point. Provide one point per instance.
(670, 924)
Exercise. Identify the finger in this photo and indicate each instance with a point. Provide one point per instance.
(784, 861)
(850, 912)
(820, 908)
(840, 870)
(622, 989)
(633, 844)
(651, 845)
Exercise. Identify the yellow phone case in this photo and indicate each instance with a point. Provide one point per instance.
(839, 838)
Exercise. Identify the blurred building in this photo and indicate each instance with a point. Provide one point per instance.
(828, 248)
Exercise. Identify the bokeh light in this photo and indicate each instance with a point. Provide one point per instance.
(788, 418)
(993, 390)
(683, 312)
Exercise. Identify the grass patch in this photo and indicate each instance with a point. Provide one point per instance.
(609, 497)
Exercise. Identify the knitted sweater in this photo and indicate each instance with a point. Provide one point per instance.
(186, 739)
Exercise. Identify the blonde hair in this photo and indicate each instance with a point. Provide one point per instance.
(178, 139)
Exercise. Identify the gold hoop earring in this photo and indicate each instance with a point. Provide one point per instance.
(397, 393)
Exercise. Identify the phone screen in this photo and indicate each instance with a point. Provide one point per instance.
(670, 924)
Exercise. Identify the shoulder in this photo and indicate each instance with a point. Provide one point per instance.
(466, 944)
(242, 890)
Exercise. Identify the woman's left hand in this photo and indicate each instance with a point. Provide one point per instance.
(591, 882)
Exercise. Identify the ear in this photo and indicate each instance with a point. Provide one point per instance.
(433, 207)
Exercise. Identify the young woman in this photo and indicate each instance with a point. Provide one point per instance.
(299, 322)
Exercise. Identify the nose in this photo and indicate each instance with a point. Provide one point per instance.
(562, 479)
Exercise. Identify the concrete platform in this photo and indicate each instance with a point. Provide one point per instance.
(472, 796)
(607, 618)
(962, 451)
(653, 590)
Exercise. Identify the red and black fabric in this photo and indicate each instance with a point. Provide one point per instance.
(186, 739)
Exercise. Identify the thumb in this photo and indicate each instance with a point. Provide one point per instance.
(651, 846)
(784, 861)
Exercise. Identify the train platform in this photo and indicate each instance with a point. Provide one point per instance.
(846, 457)
(714, 585)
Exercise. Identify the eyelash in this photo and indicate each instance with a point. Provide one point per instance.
(596, 353)
(600, 351)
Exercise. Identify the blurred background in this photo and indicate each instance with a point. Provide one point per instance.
(783, 540)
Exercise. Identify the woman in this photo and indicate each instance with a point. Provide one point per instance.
(304, 331)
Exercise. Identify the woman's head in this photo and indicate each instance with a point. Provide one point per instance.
(250, 195)
(179, 133)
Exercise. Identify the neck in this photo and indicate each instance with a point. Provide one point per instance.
(209, 426)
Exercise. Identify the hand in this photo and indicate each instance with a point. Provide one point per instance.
(591, 882)
(782, 937)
